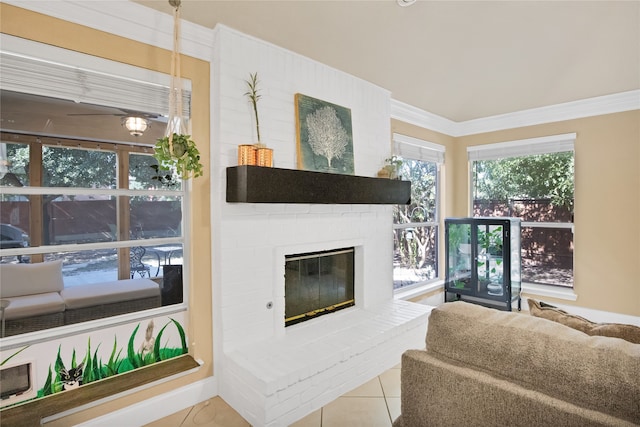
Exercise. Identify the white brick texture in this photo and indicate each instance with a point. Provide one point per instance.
(271, 375)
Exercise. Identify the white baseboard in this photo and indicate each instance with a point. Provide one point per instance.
(597, 316)
(158, 407)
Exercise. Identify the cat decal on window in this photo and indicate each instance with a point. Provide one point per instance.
(72, 378)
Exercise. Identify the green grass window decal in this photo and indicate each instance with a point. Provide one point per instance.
(92, 368)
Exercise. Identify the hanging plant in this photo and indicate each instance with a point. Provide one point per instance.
(180, 155)
(176, 151)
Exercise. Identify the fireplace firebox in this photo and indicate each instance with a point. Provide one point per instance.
(318, 283)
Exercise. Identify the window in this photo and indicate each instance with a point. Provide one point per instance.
(415, 226)
(75, 185)
(532, 180)
(89, 204)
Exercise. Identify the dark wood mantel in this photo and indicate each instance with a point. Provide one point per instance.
(256, 184)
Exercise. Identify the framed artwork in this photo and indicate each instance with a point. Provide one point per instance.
(324, 136)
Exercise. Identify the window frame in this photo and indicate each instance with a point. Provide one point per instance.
(421, 150)
(528, 147)
(119, 191)
(80, 71)
(37, 252)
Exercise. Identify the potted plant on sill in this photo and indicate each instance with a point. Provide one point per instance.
(391, 169)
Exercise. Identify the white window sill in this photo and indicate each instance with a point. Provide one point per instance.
(558, 292)
(415, 291)
(45, 335)
(534, 289)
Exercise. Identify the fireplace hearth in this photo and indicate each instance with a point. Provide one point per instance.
(318, 283)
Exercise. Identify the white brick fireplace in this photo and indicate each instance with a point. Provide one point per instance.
(271, 375)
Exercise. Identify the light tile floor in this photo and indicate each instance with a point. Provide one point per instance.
(373, 404)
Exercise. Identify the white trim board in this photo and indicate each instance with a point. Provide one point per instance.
(523, 147)
(127, 19)
(607, 104)
(416, 116)
(157, 407)
(598, 316)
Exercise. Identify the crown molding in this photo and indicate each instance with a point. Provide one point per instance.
(597, 106)
(127, 19)
(416, 116)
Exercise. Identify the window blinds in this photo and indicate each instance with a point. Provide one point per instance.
(76, 77)
(524, 147)
(417, 149)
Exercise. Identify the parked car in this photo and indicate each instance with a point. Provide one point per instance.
(13, 237)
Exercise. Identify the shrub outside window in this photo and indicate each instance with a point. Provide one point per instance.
(415, 226)
(532, 180)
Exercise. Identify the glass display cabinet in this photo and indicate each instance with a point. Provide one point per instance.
(482, 261)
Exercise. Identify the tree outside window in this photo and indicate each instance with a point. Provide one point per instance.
(415, 230)
(539, 189)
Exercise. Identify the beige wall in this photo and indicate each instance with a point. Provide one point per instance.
(607, 200)
(607, 204)
(607, 253)
(41, 28)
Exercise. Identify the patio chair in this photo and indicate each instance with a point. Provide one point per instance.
(136, 265)
(135, 260)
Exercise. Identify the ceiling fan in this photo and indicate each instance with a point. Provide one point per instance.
(135, 121)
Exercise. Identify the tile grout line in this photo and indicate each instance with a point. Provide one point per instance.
(386, 403)
(186, 417)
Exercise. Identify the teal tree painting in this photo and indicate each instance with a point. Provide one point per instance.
(325, 138)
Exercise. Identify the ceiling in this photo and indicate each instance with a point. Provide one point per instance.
(461, 60)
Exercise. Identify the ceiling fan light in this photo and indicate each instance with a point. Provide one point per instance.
(136, 125)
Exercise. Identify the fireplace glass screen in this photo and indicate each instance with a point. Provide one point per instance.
(317, 283)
